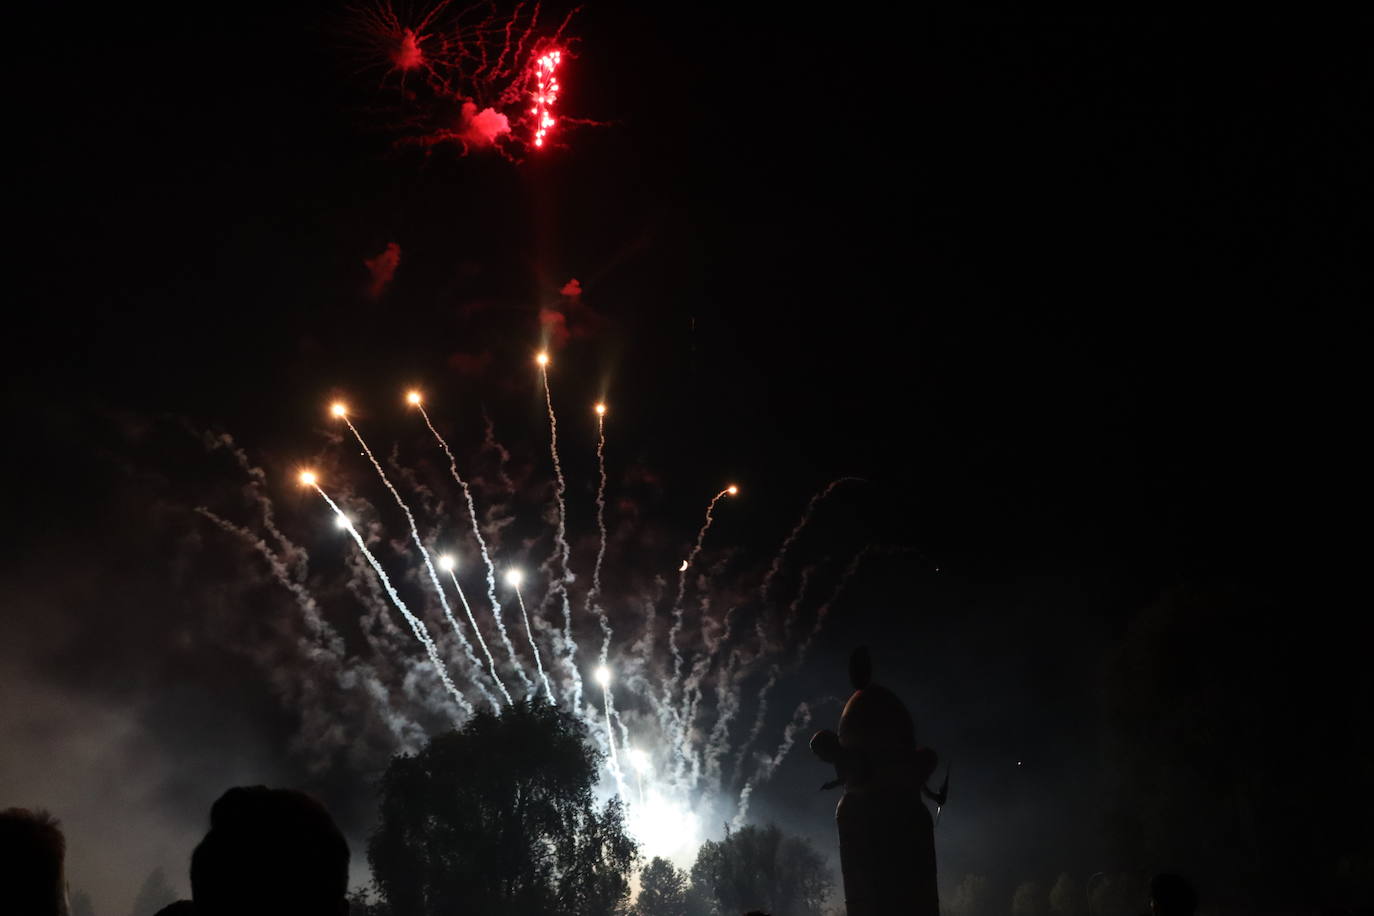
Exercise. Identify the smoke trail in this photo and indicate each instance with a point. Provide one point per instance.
(801, 718)
(486, 560)
(328, 644)
(773, 672)
(533, 645)
(429, 567)
(727, 706)
(561, 581)
(416, 624)
(256, 490)
(491, 662)
(670, 688)
(594, 595)
(796, 531)
(823, 611)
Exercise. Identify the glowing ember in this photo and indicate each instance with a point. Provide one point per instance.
(545, 94)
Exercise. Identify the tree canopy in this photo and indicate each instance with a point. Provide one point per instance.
(761, 868)
(498, 817)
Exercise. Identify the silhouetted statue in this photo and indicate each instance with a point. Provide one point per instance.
(1172, 895)
(32, 851)
(887, 837)
(270, 852)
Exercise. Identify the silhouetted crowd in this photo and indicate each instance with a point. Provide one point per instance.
(269, 852)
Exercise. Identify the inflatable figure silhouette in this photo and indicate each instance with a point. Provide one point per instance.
(887, 836)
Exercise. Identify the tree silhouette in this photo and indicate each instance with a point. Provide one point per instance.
(498, 817)
(1223, 762)
(666, 891)
(759, 868)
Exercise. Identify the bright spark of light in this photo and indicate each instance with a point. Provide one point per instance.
(308, 478)
(545, 94)
(413, 398)
(514, 577)
(732, 489)
(447, 563)
(603, 676)
(542, 359)
(601, 410)
(343, 522)
(339, 409)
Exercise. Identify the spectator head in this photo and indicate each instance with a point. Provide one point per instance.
(32, 850)
(270, 852)
(1172, 895)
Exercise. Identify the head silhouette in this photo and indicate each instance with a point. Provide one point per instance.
(270, 852)
(32, 850)
(1172, 895)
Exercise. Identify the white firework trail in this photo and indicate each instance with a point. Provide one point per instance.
(491, 662)
(670, 688)
(416, 624)
(429, 566)
(801, 718)
(534, 646)
(564, 577)
(604, 677)
(486, 560)
(594, 595)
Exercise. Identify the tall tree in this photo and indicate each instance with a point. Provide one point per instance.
(760, 868)
(666, 891)
(498, 817)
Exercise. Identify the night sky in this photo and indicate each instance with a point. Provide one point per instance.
(1069, 293)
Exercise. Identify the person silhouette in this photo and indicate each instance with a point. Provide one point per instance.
(1172, 895)
(271, 852)
(32, 852)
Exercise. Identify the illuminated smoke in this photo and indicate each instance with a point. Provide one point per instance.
(382, 269)
(324, 647)
(801, 718)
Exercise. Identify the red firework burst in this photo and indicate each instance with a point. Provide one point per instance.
(488, 79)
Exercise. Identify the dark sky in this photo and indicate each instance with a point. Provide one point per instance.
(1052, 285)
